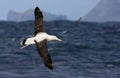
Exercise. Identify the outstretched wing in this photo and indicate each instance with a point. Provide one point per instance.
(42, 49)
(38, 24)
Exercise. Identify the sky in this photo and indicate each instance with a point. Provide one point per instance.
(73, 9)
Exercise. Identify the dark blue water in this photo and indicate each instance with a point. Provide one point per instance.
(88, 50)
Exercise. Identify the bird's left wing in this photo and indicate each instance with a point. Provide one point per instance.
(42, 49)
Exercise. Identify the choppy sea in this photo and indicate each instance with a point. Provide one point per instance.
(88, 50)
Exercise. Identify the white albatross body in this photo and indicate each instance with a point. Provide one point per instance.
(39, 38)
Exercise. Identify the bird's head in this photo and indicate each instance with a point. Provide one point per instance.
(23, 43)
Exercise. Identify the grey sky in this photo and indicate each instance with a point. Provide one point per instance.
(73, 9)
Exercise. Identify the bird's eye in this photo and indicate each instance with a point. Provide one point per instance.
(23, 43)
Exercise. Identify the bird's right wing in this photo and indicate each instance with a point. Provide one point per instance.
(38, 24)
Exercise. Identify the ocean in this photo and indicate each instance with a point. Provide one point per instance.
(87, 50)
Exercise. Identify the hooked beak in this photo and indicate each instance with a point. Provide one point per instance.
(23, 47)
(23, 44)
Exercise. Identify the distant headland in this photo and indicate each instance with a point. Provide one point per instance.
(29, 15)
(105, 10)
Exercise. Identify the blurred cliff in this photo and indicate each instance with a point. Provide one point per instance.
(29, 15)
(105, 10)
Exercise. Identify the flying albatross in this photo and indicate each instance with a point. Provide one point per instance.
(40, 38)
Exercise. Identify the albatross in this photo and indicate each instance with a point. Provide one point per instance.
(40, 38)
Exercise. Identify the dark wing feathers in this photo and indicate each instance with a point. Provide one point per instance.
(42, 49)
(41, 46)
(38, 24)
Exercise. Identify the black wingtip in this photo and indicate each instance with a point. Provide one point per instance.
(36, 8)
(50, 67)
(38, 12)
